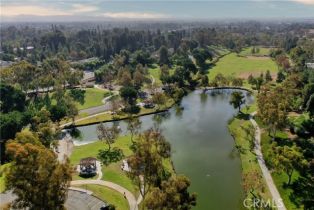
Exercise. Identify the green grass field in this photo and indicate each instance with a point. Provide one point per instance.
(232, 64)
(108, 195)
(93, 97)
(263, 51)
(155, 73)
(91, 150)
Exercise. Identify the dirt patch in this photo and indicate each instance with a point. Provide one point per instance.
(257, 57)
(245, 75)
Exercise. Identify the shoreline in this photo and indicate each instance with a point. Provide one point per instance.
(204, 89)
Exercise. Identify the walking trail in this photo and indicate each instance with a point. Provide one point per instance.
(269, 181)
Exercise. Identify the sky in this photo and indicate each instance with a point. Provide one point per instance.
(154, 9)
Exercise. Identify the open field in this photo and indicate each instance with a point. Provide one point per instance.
(108, 195)
(263, 51)
(93, 97)
(155, 73)
(232, 64)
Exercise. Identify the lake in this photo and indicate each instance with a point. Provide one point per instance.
(202, 147)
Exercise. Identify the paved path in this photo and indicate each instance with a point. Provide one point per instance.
(129, 196)
(65, 148)
(96, 109)
(268, 178)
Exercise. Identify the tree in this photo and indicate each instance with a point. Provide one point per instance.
(272, 108)
(268, 77)
(36, 177)
(159, 99)
(78, 95)
(27, 137)
(204, 80)
(134, 125)
(251, 79)
(237, 99)
(287, 159)
(138, 79)
(237, 82)
(129, 94)
(12, 122)
(280, 76)
(11, 99)
(107, 134)
(172, 194)
(221, 80)
(163, 55)
(147, 161)
(21, 73)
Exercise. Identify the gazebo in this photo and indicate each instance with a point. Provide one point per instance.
(88, 166)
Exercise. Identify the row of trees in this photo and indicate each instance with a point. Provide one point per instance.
(292, 93)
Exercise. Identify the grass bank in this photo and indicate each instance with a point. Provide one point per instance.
(106, 117)
(237, 127)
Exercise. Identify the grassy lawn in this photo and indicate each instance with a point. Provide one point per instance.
(111, 172)
(232, 64)
(91, 150)
(3, 169)
(108, 195)
(248, 158)
(93, 97)
(155, 72)
(263, 51)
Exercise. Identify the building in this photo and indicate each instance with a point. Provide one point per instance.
(310, 65)
(88, 166)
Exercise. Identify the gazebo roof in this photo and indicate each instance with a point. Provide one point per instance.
(88, 161)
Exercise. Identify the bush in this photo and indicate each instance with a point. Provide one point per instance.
(132, 109)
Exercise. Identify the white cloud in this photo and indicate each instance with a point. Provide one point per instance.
(80, 8)
(135, 15)
(310, 2)
(15, 10)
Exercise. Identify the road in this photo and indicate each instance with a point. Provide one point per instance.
(268, 178)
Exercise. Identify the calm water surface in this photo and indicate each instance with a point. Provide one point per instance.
(202, 147)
